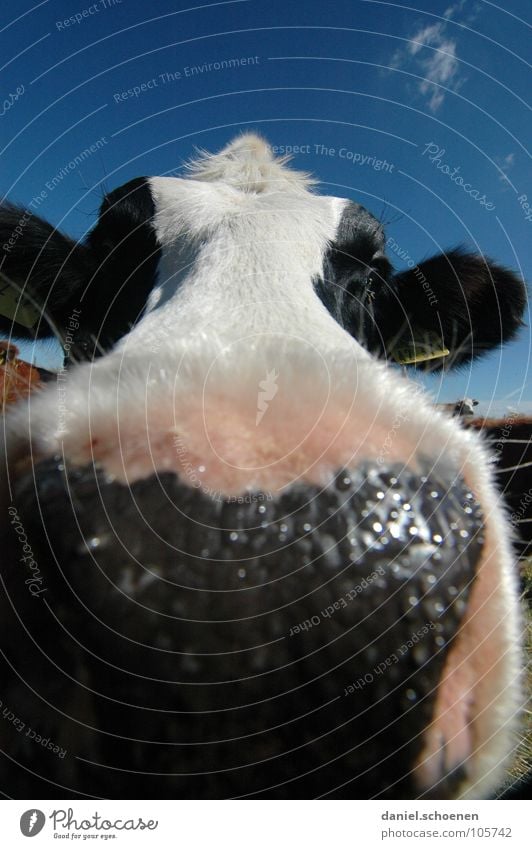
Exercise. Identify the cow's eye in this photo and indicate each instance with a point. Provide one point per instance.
(370, 284)
(380, 267)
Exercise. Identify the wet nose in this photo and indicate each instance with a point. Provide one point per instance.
(253, 645)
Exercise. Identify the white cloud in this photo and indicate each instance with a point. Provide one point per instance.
(426, 36)
(440, 69)
(452, 10)
(432, 53)
(505, 164)
(471, 11)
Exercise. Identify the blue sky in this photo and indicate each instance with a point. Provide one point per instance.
(377, 80)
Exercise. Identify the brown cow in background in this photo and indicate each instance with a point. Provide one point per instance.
(511, 441)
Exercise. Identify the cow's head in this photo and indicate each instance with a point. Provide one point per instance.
(260, 563)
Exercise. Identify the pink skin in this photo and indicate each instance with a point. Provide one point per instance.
(218, 446)
(463, 725)
(448, 740)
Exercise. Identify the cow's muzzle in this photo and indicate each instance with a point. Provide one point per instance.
(192, 644)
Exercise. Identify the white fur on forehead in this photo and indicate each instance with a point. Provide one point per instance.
(233, 259)
(248, 164)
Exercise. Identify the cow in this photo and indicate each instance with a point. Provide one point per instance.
(242, 555)
(464, 407)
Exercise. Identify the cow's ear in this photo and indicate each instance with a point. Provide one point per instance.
(125, 247)
(452, 308)
(42, 275)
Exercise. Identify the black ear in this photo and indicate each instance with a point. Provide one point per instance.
(125, 249)
(457, 301)
(45, 275)
(42, 275)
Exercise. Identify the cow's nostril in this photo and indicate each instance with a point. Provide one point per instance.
(315, 622)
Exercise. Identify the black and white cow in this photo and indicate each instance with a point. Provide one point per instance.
(464, 407)
(241, 556)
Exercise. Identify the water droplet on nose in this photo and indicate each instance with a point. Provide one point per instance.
(90, 544)
(307, 527)
(343, 482)
(413, 601)
(233, 536)
(460, 606)
(411, 695)
(190, 664)
(262, 508)
(420, 654)
(371, 654)
(242, 573)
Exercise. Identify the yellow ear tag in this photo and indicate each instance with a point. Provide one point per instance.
(431, 347)
(11, 307)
